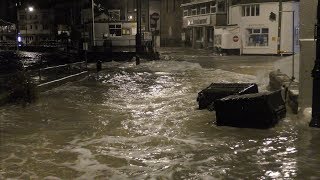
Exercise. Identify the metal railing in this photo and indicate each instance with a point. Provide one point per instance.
(52, 73)
(47, 74)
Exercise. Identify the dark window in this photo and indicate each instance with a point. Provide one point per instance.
(22, 17)
(199, 33)
(45, 26)
(203, 10)
(221, 6)
(257, 10)
(247, 10)
(251, 10)
(265, 30)
(22, 27)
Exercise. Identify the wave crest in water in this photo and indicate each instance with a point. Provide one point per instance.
(140, 122)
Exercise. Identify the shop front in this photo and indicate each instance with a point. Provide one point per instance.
(199, 20)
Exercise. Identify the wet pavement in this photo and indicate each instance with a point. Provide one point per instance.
(142, 122)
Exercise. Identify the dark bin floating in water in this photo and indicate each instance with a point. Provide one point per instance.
(217, 91)
(262, 110)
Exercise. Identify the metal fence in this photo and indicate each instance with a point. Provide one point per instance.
(52, 73)
(42, 75)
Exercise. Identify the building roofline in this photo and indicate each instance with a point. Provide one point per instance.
(236, 2)
(195, 2)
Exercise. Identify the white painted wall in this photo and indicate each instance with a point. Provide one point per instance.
(103, 28)
(234, 14)
(287, 28)
(263, 21)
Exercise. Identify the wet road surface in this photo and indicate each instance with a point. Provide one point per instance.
(143, 123)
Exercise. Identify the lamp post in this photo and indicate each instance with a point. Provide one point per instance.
(18, 38)
(293, 38)
(93, 29)
(315, 121)
(138, 36)
(30, 9)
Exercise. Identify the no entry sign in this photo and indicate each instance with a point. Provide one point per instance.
(235, 38)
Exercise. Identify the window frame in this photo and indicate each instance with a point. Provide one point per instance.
(115, 27)
(203, 8)
(185, 13)
(250, 10)
(213, 7)
(253, 33)
(192, 10)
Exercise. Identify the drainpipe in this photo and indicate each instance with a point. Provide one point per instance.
(18, 4)
(315, 121)
(279, 27)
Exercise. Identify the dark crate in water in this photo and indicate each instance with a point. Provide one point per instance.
(220, 90)
(261, 110)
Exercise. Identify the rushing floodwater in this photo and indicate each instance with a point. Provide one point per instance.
(143, 123)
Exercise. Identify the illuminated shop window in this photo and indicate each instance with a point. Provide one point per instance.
(258, 37)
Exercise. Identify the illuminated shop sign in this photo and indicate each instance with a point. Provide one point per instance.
(199, 21)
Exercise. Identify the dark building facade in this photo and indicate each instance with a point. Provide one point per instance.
(171, 23)
(8, 10)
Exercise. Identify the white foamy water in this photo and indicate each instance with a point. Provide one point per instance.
(143, 123)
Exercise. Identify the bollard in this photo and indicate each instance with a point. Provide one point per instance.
(137, 60)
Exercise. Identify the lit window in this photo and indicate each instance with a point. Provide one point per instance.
(126, 32)
(115, 29)
(258, 37)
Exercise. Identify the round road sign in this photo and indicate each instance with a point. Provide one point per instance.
(235, 38)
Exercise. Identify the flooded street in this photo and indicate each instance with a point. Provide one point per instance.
(142, 122)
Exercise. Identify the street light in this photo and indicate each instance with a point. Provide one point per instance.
(315, 121)
(30, 9)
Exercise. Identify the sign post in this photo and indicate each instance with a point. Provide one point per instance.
(154, 25)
